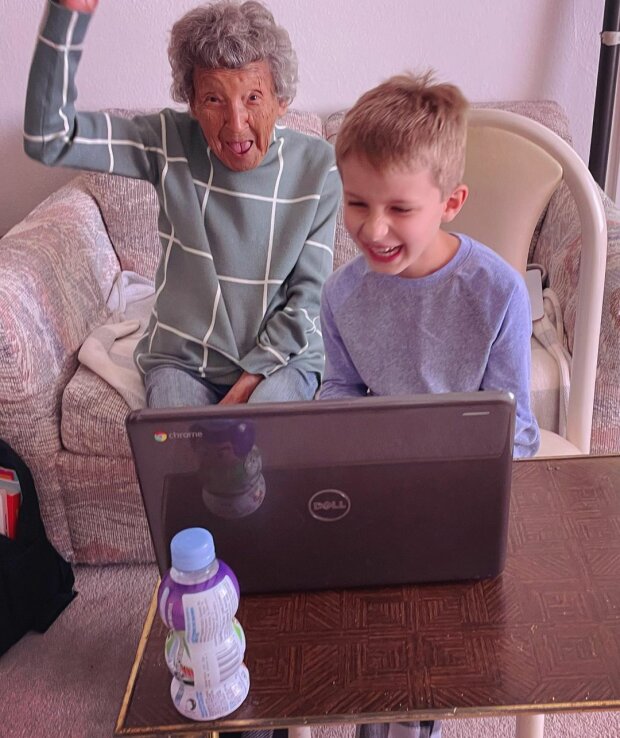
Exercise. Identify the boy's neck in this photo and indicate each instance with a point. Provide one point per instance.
(442, 252)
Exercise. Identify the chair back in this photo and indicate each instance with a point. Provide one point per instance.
(510, 180)
(513, 166)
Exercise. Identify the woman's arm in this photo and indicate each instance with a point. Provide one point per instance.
(293, 333)
(54, 133)
(81, 6)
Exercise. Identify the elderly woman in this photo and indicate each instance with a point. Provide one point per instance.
(247, 208)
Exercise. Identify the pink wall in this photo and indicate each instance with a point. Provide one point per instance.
(493, 49)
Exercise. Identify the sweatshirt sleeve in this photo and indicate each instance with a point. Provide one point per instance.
(341, 377)
(509, 368)
(293, 334)
(55, 134)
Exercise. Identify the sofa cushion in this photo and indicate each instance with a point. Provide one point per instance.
(93, 417)
(104, 508)
(304, 122)
(129, 209)
(547, 112)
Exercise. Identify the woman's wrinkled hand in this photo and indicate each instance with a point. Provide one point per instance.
(82, 6)
(241, 390)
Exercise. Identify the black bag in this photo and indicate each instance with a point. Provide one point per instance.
(36, 583)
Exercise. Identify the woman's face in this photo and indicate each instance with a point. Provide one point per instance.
(237, 110)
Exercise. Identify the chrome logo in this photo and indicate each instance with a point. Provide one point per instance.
(160, 436)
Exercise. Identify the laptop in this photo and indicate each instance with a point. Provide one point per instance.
(362, 492)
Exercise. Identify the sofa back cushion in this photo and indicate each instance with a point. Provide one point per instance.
(129, 210)
(129, 207)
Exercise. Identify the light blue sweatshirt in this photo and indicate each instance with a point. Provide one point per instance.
(464, 328)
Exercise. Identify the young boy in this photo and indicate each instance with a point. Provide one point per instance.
(419, 310)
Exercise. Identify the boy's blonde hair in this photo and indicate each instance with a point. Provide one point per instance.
(409, 121)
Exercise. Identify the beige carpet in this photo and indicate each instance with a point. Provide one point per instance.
(69, 681)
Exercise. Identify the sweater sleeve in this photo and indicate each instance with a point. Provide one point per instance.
(509, 368)
(341, 377)
(292, 334)
(55, 134)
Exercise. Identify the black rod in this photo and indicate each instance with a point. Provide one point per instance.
(605, 95)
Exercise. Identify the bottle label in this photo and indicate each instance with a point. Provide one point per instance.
(228, 654)
(214, 650)
(197, 705)
(209, 612)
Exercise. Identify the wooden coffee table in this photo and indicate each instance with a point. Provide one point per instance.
(542, 637)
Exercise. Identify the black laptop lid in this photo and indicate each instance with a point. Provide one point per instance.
(313, 495)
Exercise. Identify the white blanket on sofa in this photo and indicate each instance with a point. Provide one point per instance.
(108, 350)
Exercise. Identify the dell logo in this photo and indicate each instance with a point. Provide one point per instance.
(329, 505)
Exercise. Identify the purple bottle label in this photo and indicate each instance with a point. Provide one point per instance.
(170, 595)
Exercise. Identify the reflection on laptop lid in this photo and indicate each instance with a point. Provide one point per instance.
(334, 493)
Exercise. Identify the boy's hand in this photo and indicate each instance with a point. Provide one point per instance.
(82, 6)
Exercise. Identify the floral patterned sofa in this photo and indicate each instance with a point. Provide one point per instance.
(58, 268)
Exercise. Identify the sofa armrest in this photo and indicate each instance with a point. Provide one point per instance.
(606, 425)
(559, 250)
(58, 266)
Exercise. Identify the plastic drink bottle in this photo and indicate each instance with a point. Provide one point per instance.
(198, 598)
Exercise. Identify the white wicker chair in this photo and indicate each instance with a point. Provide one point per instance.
(513, 166)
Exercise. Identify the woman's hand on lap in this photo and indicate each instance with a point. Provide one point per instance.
(242, 389)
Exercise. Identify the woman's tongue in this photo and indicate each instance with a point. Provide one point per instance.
(240, 147)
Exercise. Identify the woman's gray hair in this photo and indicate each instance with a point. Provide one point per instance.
(229, 35)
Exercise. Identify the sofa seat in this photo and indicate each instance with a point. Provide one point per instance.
(104, 509)
(96, 474)
(93, 417)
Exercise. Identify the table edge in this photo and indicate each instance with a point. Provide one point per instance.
(119, 728)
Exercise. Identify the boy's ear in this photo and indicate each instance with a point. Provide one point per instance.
(454, 203)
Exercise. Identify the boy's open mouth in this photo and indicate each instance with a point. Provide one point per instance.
(385, 253)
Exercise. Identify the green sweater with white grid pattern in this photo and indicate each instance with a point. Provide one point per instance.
(244, 254)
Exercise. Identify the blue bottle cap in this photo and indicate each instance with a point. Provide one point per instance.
(192, 549)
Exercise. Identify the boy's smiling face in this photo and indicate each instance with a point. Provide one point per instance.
(394, 217)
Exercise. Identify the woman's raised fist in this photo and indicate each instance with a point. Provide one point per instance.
(83, 6)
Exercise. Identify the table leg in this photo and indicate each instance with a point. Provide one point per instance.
(530, 726)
